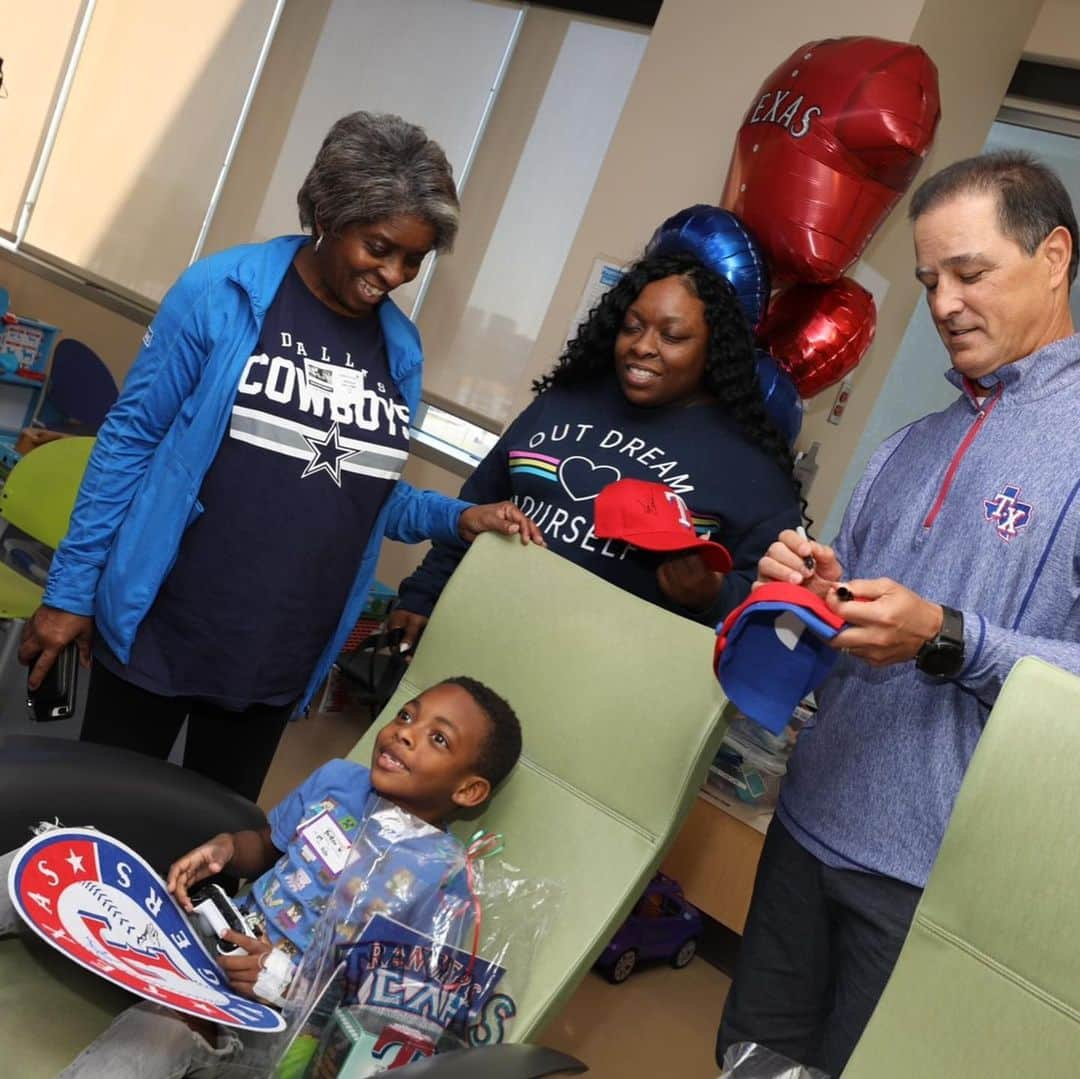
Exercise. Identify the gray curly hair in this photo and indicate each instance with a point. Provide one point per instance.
(372, 166)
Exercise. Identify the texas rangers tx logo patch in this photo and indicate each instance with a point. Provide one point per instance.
(94, 899)
(1007, 513)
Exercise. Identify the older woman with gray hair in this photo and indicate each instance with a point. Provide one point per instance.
(226, 533)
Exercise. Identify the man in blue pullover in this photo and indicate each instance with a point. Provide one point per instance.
(959, 548)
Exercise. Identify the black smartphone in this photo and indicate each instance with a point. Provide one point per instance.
(55, 697)
(216, 911)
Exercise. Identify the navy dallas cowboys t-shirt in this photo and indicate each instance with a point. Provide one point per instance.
(317, 439)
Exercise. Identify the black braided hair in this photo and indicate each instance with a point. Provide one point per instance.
(730, 367)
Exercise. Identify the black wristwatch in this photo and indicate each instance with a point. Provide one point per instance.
(944, 655)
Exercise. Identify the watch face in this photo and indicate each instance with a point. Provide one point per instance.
(944, 656)
(942, 660)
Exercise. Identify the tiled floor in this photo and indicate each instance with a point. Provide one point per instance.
(660, 1024)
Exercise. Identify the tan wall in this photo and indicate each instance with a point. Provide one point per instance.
(1055, 37)
(702, 67)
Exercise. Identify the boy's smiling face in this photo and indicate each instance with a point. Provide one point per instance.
(424, 759)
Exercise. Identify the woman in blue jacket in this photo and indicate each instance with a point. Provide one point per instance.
(226, 533)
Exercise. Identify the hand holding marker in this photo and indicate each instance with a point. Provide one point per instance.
(845, 595)
(808, 561)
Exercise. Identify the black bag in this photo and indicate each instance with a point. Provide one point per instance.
(374, 670)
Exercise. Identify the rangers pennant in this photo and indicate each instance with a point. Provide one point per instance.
(94, 899)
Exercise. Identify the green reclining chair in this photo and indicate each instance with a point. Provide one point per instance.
(988, 981)
(37, 498)
(621, 717)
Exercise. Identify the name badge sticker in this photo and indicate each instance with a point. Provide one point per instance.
(325, 837)
(339, 383)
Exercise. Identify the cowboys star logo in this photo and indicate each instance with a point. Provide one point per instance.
(327, 455)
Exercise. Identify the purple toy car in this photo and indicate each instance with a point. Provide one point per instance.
(663, 925)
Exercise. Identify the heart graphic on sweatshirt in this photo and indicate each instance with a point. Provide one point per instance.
(583, 481)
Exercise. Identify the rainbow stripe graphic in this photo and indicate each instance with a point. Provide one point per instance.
(525, 462)
(703, 523)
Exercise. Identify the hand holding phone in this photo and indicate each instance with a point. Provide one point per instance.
(217, 913)
(54, 699)
(45, 634)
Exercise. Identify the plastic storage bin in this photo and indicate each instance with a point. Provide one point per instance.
(748, 769)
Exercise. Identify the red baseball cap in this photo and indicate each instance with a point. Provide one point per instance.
(654, 518)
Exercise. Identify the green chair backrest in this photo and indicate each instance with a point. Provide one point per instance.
(39, 494)
(988, 981)
(621, 715)
(19, 597)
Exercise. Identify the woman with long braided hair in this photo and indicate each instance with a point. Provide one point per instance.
(660, 383)
(730, 372)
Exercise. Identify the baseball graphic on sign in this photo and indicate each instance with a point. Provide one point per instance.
(97, 901)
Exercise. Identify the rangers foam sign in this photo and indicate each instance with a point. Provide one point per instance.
(94, 899)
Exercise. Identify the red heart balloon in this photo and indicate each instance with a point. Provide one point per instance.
(820, 332)
(830, 143)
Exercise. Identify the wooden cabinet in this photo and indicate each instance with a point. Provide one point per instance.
(715, 857)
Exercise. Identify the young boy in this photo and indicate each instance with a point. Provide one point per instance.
(442, 753)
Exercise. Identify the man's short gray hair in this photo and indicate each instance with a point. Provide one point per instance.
(1032, 200)
(372, 166)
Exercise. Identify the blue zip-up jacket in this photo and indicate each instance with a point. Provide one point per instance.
(141, 487)
(976, 508)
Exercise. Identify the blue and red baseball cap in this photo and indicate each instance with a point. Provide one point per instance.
(773, 649)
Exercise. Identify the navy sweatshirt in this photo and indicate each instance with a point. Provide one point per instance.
(569, 444)
(975, 507)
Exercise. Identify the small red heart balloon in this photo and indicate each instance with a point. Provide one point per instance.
(819, 333)
(832, 140)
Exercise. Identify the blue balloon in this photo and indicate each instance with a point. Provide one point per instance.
(720, 240)
(782, 401)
